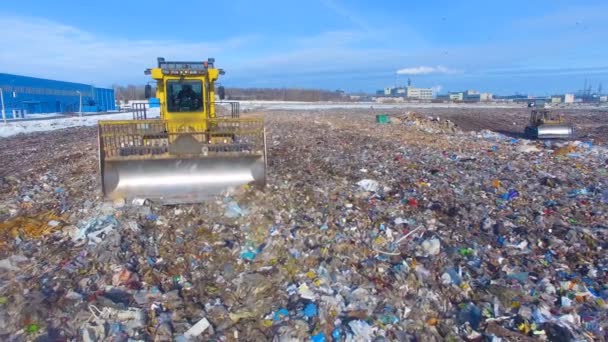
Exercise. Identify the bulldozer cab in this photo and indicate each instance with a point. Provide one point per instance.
(184, 96)
(188, 154)
(543, 116)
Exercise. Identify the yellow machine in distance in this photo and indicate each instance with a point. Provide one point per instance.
(190, 152)
(548, 125)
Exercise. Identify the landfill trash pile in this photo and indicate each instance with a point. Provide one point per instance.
(365, 232)
(427, 124)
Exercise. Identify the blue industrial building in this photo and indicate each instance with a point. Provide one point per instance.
(23, 95)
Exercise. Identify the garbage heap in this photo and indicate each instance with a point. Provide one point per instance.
(427, 124)
(364, 233)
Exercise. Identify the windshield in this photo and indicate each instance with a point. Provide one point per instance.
(184, 96)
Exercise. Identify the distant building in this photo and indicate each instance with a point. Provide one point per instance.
(556, 99)
(419, 93)
(568, 98)
(604, 98)
(408, 92)
(456, 96)
(484, 97)
(513, 98)
(479, 97)
(24, 95)
(475, 96)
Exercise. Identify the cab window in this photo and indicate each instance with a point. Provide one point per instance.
(184, 96)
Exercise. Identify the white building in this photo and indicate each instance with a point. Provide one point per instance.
(419, 93)
(456, 96)
(568, 98)
(484, 97)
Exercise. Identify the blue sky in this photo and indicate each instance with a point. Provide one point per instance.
(540, 47)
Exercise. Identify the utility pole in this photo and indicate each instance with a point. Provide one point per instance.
(2, 100)
(585, 88)
(80, 108)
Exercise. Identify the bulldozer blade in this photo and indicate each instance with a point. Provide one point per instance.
(554, 132)
(180, 180)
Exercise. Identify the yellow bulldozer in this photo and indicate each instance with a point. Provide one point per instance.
(546, 124)
(188, 154)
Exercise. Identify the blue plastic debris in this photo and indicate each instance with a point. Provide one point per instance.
(538, 317)
(512, 194)
(470, 313)
(456, 280)
(604, 197)
(500, 240)
(279, 314)
(519, 276)
(294, 253)
(310, 310)
(549, 257)
(320, 337)
(389, 319)
(249, 254)
(151, 217)
(233, 210)
(336, 334)
(151, 261)
(576, 192)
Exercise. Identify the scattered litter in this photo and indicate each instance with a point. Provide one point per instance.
(364, 232)
(197, 329)
(369, 185)
(233, 210)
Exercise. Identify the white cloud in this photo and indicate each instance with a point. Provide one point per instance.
(423, 70)
(44, 48)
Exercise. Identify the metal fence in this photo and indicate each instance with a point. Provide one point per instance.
(145, 138)
(235, 108)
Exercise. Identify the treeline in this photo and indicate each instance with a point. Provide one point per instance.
(136, 92)
(129, 93)
(282, 94)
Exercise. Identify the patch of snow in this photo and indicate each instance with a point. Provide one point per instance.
(17, 127)
(42, 115)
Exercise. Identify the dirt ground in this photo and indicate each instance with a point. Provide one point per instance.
(590, 123)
